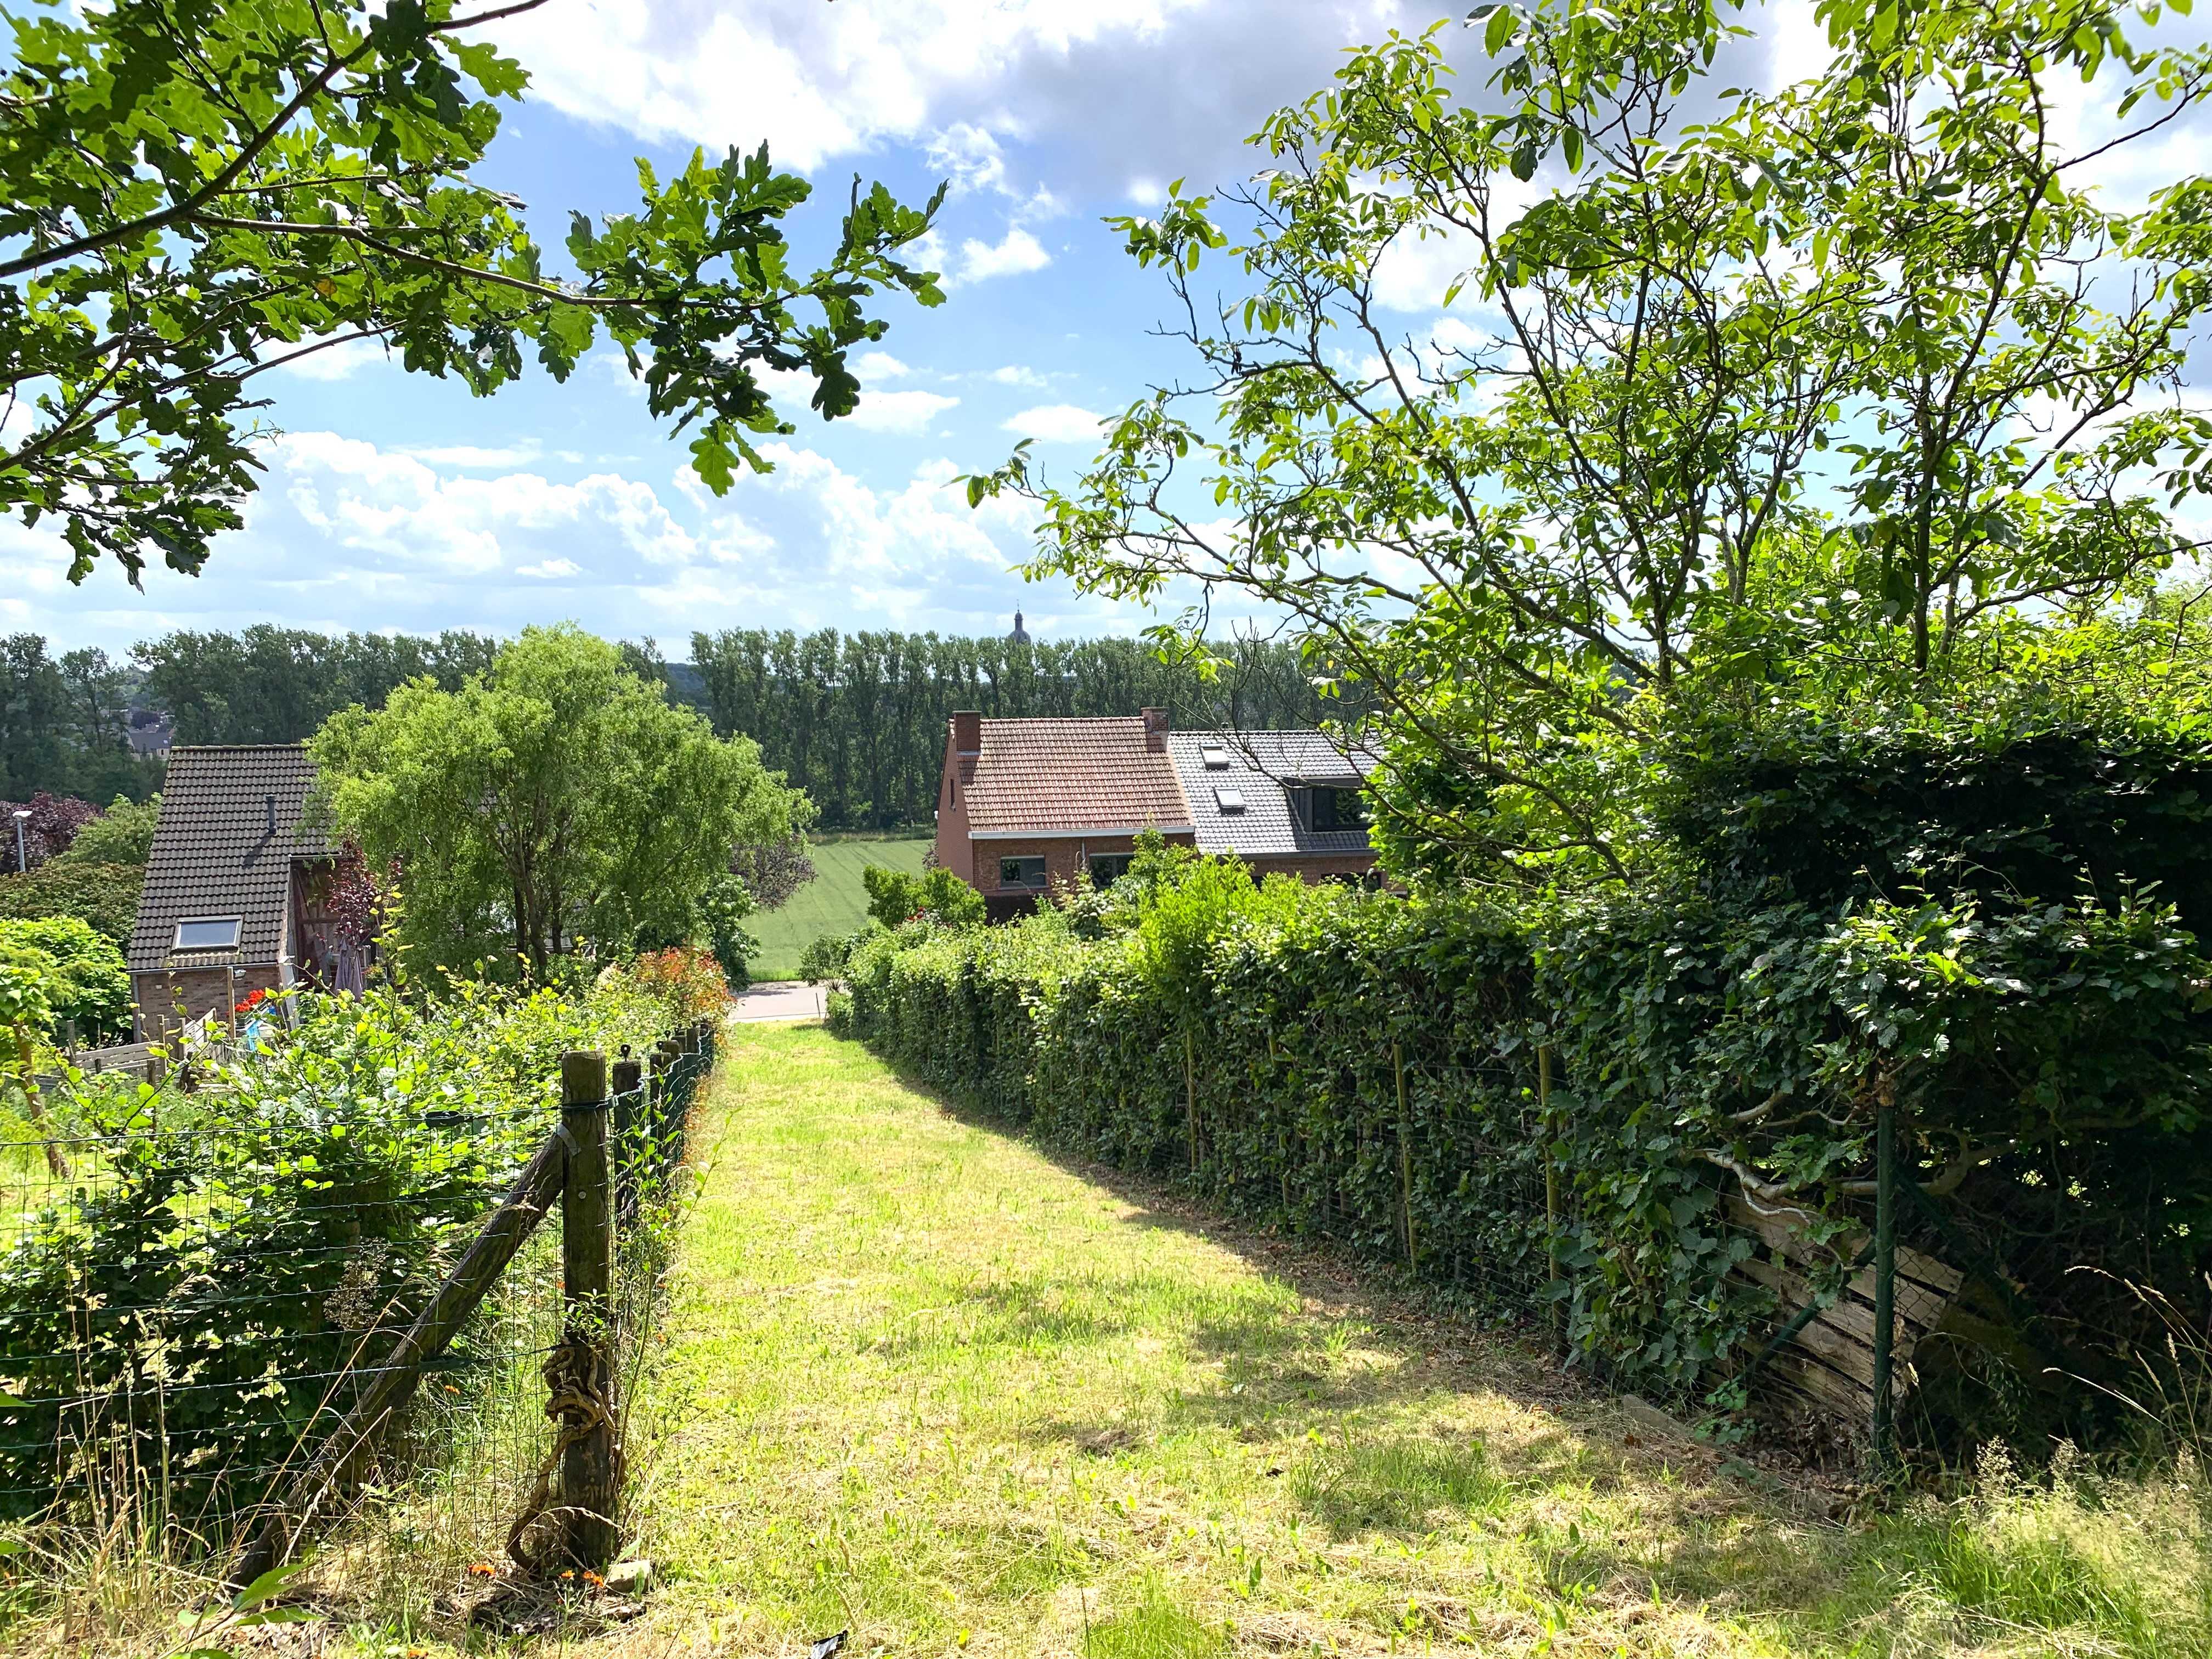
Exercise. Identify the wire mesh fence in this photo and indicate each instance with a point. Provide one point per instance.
(194, 1299)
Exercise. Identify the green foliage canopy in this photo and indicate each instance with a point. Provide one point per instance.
(897, 897)
(104, 895)
(553, 799)
(82, 975)
(191, 194)
(123, 834)
(1754, 396)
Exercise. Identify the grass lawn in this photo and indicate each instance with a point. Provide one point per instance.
(833, 902)
(928, 1383)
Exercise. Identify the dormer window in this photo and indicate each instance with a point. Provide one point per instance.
(1337, 808)
(208, 934)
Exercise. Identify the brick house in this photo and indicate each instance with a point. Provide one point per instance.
(233, 889)
(1029, 805)
(1278, 800)
(1025, 806)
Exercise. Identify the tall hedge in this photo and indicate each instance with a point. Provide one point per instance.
(1365, 1067)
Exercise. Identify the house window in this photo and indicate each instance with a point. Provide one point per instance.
(1106, 868)
(1339, 809)
(208, 934)
(1229, 800)
(1022, 873)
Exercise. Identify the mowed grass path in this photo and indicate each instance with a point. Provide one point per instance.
(927, 1384)
(834, 902)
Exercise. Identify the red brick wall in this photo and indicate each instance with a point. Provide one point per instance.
(1318, 868)
(203, 991)
(952, 845)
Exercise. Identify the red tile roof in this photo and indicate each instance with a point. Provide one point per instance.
(1047, 775)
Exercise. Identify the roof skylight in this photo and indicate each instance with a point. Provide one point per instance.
(1215, 757)
(1228, 800)
(208, 934)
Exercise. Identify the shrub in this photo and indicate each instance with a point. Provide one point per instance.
(87, 984)
(895, 897)
(232, 1260)
(686, 981)
(123, 834)
(1364, 1068)
(104, 895)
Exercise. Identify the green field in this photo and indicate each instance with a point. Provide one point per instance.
(833, 902)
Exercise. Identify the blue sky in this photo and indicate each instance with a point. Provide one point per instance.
(395, 502)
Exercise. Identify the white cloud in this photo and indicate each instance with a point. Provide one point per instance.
(470, 455)
(1055, 424)
(968, 157)
(333, 362)
(1019, 374)
(899, 412)
(879, 366)
(550, 569)
(1016, 253)
(819, 81)
(396, 507)
(1148, 192)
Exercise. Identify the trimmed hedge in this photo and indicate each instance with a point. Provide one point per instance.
(1365, 1067)
(104, 895)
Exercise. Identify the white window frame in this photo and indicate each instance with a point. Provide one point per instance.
(236, 924)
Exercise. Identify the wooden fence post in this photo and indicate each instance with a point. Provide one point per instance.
(583, 1389)
(632, 1145)
(393, 1383)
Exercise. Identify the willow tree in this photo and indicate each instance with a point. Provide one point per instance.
(553, 801)
(1724, 388)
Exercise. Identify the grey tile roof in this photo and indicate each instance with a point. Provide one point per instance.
(229, 830)
(1262, 768)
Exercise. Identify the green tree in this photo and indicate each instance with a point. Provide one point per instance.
(555, 800)
(195, 191)
(83, 976)
(123, 834)
(1750, 390)
(896, 897)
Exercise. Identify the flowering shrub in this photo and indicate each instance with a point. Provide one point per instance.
(686, 981)
(247, 1003)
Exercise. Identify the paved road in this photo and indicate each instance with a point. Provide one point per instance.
(780, 999)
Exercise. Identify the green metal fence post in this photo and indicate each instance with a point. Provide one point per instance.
(1885, 1283)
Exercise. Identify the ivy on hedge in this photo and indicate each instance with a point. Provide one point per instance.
(1364, 1066)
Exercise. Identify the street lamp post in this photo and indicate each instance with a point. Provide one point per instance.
(22, 863)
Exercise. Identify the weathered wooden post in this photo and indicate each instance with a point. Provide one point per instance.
(581, 1371)
(632, 1145)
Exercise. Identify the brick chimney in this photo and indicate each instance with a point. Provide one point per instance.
(968, 732)
(1155, 730)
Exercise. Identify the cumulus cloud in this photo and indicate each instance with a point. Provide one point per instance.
(1012, 255)
(968, 77)
(403, 511)
(333, 362)
(879, 366)
(473, 455)
(1055, 424)
(1019, 374)
(550, 569)
(899, 412)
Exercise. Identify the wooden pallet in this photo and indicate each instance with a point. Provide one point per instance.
(1829, 1364)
